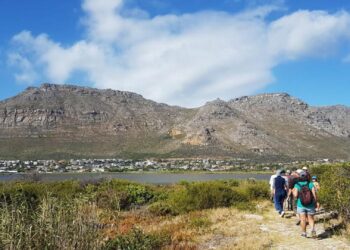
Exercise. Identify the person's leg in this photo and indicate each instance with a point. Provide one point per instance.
(302, 217)
(311, 221)
(279, 202)
(271, 195)
(282, 199)
(275, 202)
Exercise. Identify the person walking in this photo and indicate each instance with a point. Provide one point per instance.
(317, 188)
(287, 202)
(280, 192)
(305, 193)
(271, 182)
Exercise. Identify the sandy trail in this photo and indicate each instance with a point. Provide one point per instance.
(269, 231)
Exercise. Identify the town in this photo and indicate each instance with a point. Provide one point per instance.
(128, 165)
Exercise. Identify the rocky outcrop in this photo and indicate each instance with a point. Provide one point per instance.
(267, 124)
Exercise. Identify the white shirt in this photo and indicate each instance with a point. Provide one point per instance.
(272, 181)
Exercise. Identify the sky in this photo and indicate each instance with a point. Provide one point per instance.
(179, 52)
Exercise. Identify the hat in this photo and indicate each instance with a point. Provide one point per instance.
(288, 171)
(302, 174)
(278, 172)
(314, 177)
(299, 171)
(304, 168)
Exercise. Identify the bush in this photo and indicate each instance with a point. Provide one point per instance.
(116, 194)
(258, 190)
(138, 240)
(161, 208)
(188, 196)
(335, 192)
(201, 195)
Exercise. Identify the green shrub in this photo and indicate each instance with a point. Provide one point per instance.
(335, 192)
(161, 208)
(201, 195)
(258, 190)
(231, 182)
(116, 194)
(139, 194)
(138, 240)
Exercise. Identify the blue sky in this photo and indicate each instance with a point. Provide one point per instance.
(179, 52)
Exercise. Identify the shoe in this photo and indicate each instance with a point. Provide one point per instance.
(313, 234)
(282, 214)
(303, 235)
(298, 223)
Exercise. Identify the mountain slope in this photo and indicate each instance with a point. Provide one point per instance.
(55, 121)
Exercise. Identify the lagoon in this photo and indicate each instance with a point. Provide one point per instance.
(151, 178)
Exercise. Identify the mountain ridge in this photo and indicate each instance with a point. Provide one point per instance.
(83, 121)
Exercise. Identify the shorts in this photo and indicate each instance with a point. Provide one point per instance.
(305, 210)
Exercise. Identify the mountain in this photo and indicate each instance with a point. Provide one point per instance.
(65, 121)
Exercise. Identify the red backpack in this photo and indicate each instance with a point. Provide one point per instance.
(305, 195)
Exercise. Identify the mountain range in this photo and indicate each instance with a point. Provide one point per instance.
(65, 121)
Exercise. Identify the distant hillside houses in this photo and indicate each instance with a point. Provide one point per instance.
(126, 165)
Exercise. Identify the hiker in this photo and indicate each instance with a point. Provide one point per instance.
(308, 176)
(272, 180)
(305, 193)
(293, 178)
(279, 191)
(293, 181)
(317, 188)
(287, 177)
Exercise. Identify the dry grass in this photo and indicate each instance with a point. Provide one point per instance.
(222, 228)
(53, 225)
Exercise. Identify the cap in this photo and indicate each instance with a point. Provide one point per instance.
(314, 177)
(304, 168)
(299, 171)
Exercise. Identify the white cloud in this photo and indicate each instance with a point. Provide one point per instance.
(182, 59)
(27, 72)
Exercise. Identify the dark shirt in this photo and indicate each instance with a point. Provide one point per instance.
(280, 183)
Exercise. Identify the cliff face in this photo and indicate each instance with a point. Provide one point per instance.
(76, 111)
(81, 121)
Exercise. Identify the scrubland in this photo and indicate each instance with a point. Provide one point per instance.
(115, 214)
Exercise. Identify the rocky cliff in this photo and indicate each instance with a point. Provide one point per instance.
(71, 121)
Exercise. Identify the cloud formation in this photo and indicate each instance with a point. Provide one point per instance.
(180, 59)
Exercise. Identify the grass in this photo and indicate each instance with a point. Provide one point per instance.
(53, 224)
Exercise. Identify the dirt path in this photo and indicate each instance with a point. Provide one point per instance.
(286, 231)
(267, 231)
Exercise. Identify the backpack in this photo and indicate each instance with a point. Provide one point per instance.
(305, 195)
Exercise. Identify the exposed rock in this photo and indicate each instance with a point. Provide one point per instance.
(267, 124)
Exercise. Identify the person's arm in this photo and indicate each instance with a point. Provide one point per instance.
(295, 192)
(314, 193)
(285, 185)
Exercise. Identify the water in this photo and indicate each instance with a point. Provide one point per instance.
(151, 178)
